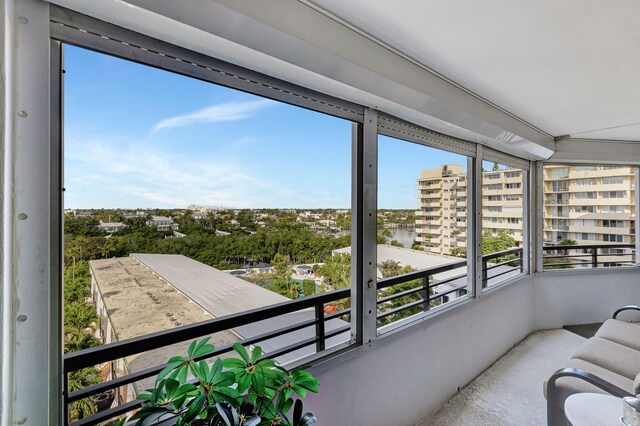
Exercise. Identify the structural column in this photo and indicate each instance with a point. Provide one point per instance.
(31, 337)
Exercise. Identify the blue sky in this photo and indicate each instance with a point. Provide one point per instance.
(136, 137)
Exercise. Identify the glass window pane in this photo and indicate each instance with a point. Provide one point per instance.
(422, 199)
(502, 222)
(188, 201)
(593, 206)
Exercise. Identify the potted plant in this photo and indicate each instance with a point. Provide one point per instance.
(244, 391)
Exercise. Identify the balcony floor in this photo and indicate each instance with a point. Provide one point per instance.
(510, 391)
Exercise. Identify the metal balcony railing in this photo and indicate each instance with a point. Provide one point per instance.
(423, 290)
(588, 256)
(499, 264)
(114, 351)
(423, 295)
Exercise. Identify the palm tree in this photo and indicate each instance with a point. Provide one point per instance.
(80, 379)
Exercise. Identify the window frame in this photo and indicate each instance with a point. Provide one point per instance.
(68, 27)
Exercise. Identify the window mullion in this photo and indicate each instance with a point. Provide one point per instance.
(476, 215)
(363, 239)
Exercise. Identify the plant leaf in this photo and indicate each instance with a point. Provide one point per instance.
(255, 355)
(242, 352)
(233, 363)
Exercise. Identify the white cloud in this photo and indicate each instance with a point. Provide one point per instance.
(229, 111)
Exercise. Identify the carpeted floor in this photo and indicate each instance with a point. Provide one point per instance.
(509, 393)
(585, 330)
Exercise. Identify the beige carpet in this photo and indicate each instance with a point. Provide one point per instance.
(510, 391)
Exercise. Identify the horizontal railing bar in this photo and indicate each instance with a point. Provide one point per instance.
(399, 279)
(283, 351)
(337, 331)
(92, 390)
(99, 354)
(385, 314)
(588, 246)
(564, 256)
(506, 262)
(418, 289)
(502, 273)
(555, 265)
(490, 256)
(337, 314)
(448, 280)
(293, 347)
(400, 294)
(143, 374)
(444, 293)
(105, 415)
(306, 342)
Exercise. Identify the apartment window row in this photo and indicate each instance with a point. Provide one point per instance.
(606, 209)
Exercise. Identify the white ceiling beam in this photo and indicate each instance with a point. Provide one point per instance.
(596, 151)
(395, 77)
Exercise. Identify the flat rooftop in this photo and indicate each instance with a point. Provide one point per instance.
(417, 259)
(139, 302)
(145, 293)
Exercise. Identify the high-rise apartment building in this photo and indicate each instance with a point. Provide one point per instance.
(587, 204)
(442, 216)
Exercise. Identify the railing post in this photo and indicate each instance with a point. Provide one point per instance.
(594, 257)
(320, 327)
(65, 397)
(425, 293)
(520, 255)
(485, 274)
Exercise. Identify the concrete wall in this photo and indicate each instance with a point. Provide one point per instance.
(582, 297)
(401, 378)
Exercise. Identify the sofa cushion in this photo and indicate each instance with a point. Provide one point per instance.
(621, 332)
(567, 386)
(612, 356)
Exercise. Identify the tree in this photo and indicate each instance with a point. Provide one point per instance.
(459, 252)
(391, 268)
(80, 379)
(496, 243)
(499, 242)
(336, 272)
(495, 167)
(396, 243)
(567, 243)
(280, 278)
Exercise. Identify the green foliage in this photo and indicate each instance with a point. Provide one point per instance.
(567, 243)
(245, 391)
(459, 252)
(80, 379)
(280, 278)
(79, 315)
(337, 271)
(309, 287)
(82, 226)
(337, 274)
(391, 268)
(499, 242)
(396, 243)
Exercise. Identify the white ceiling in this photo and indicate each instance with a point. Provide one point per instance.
(565, 66)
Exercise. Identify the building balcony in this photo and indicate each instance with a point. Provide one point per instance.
(436, 195)
(554, 202)
(510, 307)
(388, 351)
(431, 203)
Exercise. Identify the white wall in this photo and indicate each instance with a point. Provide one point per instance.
(582, 297)
(401, 378)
